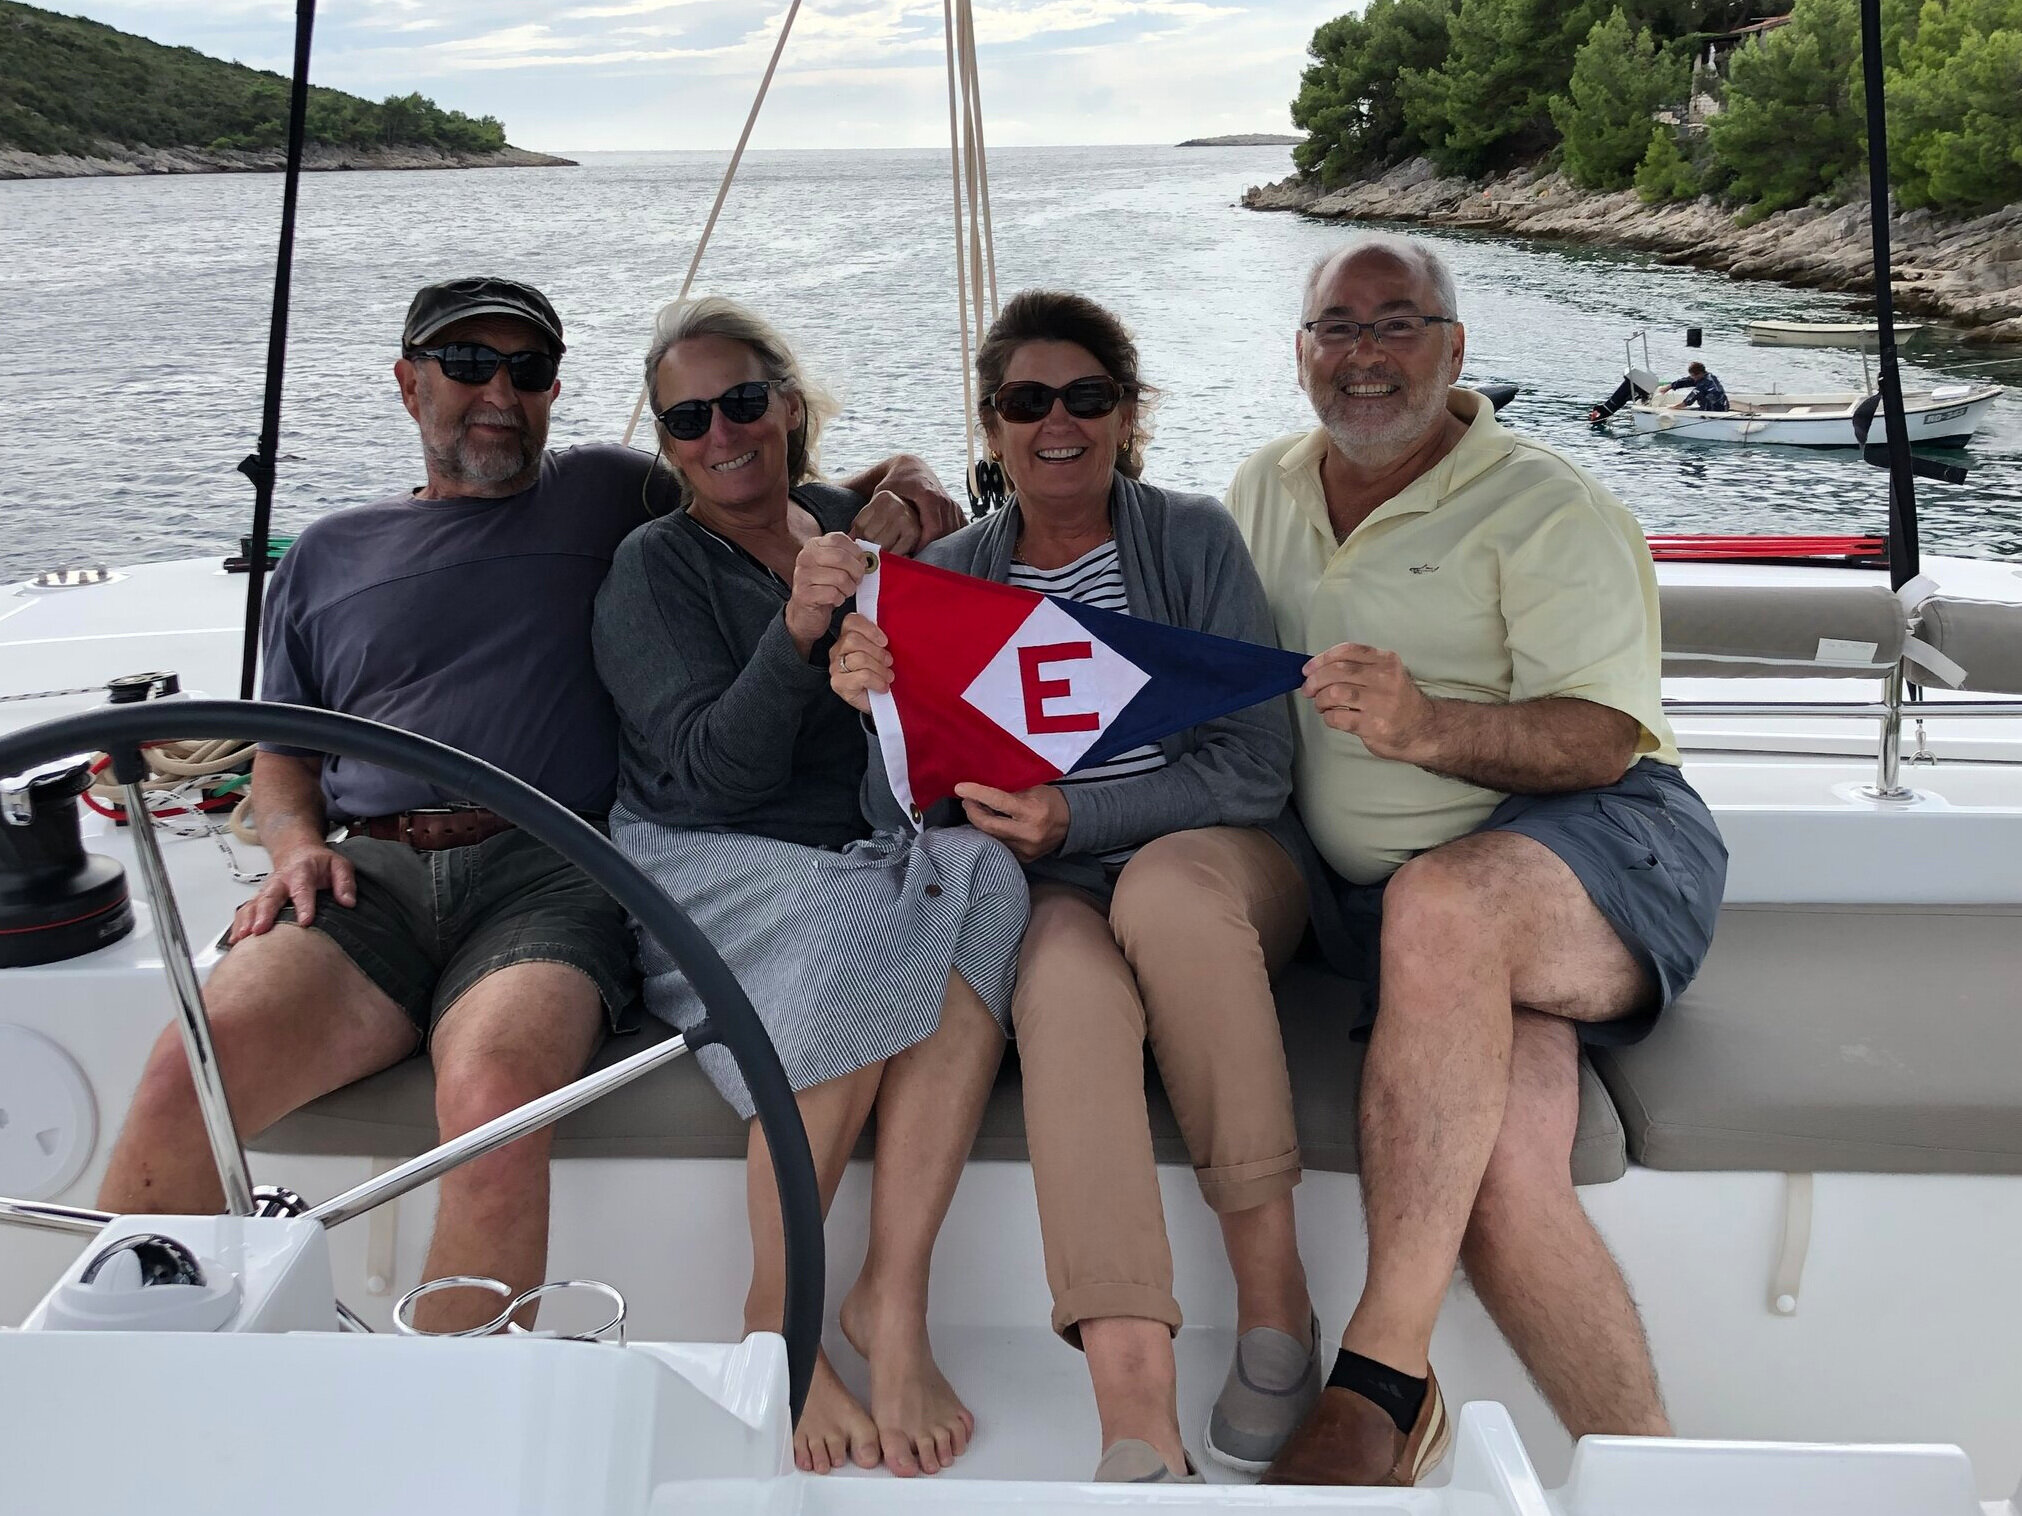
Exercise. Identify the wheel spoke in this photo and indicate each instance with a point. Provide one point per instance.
(195, 1024)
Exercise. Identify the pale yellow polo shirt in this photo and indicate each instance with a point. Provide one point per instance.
(1505, 573)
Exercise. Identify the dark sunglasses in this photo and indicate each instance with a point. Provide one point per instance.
(474, 363)
(686, 420)
(1026, 400)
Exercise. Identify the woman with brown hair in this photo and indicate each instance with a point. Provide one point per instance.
(1164, 893)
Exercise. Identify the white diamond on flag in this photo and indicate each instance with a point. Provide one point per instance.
(1055, 686)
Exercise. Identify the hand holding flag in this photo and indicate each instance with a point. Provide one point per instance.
(1368, 691)
(825, 575)
(990, 692)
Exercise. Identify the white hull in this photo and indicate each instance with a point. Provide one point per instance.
(1906, 1325)
(1932, 418)
(1827, 333)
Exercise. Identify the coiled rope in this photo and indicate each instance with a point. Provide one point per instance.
(184, 778)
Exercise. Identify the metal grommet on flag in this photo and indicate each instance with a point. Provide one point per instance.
(870, 563)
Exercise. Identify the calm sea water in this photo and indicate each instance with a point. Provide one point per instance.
(138, 307)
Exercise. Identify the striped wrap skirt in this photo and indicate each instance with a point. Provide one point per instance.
(844, 953)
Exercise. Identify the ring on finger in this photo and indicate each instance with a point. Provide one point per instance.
(845, 663)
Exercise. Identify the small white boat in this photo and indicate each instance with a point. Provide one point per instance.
(1946, 416)
(1827, 333)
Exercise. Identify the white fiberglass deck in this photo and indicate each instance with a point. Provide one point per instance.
(1907, 1327)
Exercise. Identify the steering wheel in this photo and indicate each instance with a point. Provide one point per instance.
(727, 1014)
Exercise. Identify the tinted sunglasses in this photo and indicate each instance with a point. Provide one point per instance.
(686, 420)
(1026, 400)
(474, 363)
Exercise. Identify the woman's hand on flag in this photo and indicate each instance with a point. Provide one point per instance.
(824, 576)
(1368, 691)
(860, 662)
(1032, 823)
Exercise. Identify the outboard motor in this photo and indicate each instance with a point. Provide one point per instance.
(56, 900)
(1637, 384)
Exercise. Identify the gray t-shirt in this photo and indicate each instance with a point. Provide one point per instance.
(467, 621)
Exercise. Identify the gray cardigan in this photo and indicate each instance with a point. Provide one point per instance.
(722, 725)
(1184, 564)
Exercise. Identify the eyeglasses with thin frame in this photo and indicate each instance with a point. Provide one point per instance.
(744, 403)
(1388, 331)
(1026, 401)
(474, 363)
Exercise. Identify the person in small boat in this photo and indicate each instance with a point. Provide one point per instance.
(880, 964)
(1164, 894)
(1704, 391)
(459, 611)
(1515, 864)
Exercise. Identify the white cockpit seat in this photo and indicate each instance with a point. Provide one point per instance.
(674, 1112)
(1837, 1038)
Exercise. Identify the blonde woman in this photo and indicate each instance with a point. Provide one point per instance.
(880, 963)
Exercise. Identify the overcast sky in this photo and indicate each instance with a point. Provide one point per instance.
(656, 74)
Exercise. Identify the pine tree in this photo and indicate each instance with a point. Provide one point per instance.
(1955, 105)
(1793, 127)
(1620, 79)
(1664, 173)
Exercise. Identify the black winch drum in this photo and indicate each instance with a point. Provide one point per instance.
(56, 900)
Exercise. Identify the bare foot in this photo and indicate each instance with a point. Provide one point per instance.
(833, 1428)
(922, 1424)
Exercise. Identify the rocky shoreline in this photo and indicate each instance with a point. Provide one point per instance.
(1959, 270)
(121, 161)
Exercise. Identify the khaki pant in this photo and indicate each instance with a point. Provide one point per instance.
(1182, 959)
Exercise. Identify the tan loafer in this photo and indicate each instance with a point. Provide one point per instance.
(1132, 1461)
(1351, 1440)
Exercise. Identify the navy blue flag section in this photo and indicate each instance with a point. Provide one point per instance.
(1195, 677)
(1011, 688)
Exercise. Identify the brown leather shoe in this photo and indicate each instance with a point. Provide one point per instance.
(1351, 1440)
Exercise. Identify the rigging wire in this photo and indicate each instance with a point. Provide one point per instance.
(722, 192)
(961, 259)
(975, 242)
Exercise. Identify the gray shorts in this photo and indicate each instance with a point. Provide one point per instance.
(429, 925)
(1650, 858)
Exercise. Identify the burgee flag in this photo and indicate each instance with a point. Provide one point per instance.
(1012, 688)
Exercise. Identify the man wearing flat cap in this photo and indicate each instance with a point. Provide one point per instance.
(460, 611)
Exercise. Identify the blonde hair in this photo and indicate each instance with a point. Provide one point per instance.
(720, 316)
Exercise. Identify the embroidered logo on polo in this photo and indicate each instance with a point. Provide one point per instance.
(1011, 688)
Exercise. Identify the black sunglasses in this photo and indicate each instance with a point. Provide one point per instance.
(474, 363)
(686, 420)
(1026, 400)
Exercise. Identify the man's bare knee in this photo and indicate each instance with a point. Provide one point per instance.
(1454, 898)
(516, 1035)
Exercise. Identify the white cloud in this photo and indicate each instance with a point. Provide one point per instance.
(647, 74)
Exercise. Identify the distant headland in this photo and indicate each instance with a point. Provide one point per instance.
(1245, 139)
(78, 98)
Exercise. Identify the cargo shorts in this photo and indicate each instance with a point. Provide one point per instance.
(429, 925)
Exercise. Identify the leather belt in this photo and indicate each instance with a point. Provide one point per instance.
(433, 830)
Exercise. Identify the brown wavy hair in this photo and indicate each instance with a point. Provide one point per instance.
(1060, 316)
